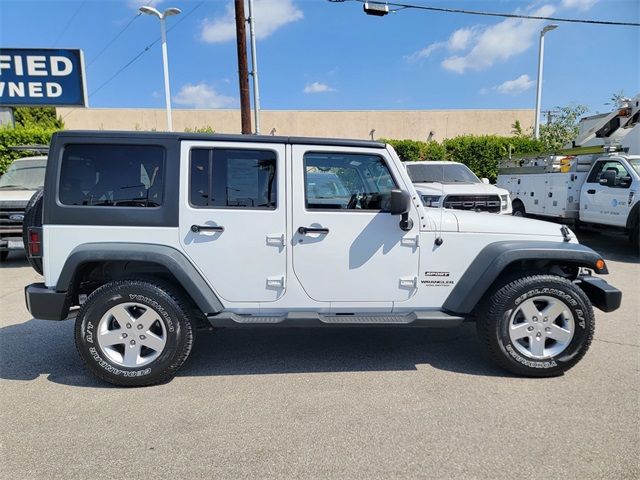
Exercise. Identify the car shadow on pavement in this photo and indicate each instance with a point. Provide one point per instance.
(256, 351)
(15, 260)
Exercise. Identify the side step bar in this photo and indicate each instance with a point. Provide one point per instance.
(425, 318)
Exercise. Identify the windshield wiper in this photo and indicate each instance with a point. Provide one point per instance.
(22, 187)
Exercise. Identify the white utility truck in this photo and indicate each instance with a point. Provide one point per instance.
(597, 185)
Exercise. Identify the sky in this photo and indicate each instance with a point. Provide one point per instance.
(319, 55)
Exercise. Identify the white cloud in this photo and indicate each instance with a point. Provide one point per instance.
(498, 43)
(582, 5)
(270, 16)
(516, 86)
(318, 87)
(202, 95)
(457, 41)
(480, 47)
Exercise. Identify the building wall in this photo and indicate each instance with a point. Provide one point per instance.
(396, 124)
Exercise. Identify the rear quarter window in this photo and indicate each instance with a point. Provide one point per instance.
(112, 175)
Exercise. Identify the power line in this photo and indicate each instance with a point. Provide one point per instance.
(66, 27)
(113, 39)
(116, 36)
(130, 62)
(495, 14)
(135, 58)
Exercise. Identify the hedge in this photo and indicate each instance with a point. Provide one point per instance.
(21, 136)
(480, 153)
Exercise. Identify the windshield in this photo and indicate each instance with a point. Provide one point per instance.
(24, 174)
(438, 172)
(635, 163)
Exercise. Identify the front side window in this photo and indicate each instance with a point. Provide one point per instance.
(623, 179)
(112, 175)
(338, 181)
(233, 178)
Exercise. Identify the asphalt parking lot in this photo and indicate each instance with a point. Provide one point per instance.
(323, 403)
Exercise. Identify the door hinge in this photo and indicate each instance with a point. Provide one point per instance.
(408, 282)
(276, 240)
(275, 282)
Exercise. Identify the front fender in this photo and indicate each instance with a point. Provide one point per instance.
(496, 257)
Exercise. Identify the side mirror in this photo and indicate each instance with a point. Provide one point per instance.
(608, 178)
(401, 205)
(400, 202)
(485, 181)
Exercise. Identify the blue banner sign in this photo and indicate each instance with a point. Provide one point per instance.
(42, 76)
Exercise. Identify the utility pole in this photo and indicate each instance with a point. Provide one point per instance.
(243, 70)
(254, 67)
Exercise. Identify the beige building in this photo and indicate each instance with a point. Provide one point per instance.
(396, 124)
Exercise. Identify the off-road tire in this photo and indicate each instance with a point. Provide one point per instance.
(174, 310)
(32, 218)
(494, 318)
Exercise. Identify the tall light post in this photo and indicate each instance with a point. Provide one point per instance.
(546, 29)
(254, 67)
(165, 61)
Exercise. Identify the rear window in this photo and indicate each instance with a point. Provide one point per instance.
(112, 175)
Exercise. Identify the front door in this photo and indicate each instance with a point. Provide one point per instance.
(606, 205)
(233, 217)
(346, 247)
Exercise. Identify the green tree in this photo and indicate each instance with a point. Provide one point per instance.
(516, 129)
(618, 98)
(43, 117)
(564, 128)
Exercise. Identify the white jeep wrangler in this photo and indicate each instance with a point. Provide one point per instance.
(146, 236)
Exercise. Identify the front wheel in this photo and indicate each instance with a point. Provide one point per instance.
(518, 209)
(537, 326)
(134, 332)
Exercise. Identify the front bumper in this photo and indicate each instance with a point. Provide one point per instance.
(11, 240)
(45, 303)
(602, 295)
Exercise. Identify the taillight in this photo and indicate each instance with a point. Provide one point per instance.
(35, 242)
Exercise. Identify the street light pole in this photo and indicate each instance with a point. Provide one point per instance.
(254, 67)
(546, 29)
(165, 58)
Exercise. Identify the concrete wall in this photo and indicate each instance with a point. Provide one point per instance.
(397, 124)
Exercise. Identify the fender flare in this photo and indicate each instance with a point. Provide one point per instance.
(170, 258)
(496, 257)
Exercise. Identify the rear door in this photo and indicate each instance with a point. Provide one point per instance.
(233, 217)
(346, 247)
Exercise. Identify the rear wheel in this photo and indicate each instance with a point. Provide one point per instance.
(134, 332)
(537, 326)
(3, 255)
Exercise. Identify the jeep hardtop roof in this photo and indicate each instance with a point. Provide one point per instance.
(106, 135)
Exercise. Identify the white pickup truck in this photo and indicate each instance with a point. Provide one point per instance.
(453, 185)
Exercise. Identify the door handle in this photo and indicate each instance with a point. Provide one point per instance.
(305, 230)
(591, 191)
(206, 228)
